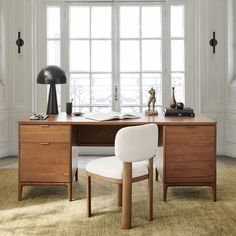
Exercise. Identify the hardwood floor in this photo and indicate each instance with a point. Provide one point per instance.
(12, 161)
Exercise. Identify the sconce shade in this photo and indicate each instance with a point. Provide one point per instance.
(51, 75)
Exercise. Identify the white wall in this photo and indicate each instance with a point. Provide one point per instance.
(214, 97)
(212, 66)
(3, 82)
(230, 83)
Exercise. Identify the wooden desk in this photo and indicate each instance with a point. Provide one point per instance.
(45, 149)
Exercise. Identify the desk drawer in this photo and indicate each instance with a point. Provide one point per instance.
(45, 133)
(44, 162)
(190, 153)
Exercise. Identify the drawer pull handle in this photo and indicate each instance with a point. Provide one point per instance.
(44, 143)
(44, 126)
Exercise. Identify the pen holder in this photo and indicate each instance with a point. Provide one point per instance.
(69, 108)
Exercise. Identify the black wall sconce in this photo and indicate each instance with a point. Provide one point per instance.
(213, 42)
(19, 42)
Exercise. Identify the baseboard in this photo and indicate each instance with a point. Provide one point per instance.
(230, 150)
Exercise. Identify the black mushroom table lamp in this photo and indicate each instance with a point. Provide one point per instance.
(52, 75)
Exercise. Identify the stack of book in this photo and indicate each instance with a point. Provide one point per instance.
(186, 111)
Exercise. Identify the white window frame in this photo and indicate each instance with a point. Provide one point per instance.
(190, 43)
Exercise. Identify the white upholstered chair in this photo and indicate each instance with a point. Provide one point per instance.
(135, 148)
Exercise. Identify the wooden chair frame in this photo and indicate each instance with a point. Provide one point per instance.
(124, 194)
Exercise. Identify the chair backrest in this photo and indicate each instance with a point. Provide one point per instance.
(136, 143)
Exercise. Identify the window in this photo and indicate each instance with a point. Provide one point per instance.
(177, 52)
(90, 57)
(140, 55)
(54, 42)
(114, 53)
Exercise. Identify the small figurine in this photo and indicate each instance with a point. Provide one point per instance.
(152, 99)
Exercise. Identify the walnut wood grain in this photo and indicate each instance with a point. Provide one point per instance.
(189, 144)
(127, 195)
(44, 162)
(45, 133)
(62, 118)
(189, 157)
(191, 154)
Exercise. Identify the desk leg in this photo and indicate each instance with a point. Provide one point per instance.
(20, 188)
(127, 195)
(165, 188)
(76, 175)
(156, 172)
(214, 191)
(69, 189)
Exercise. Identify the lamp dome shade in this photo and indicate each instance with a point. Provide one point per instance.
(51, 75)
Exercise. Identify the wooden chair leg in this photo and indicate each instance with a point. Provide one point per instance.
(150, 189)
(119, 195)
(20, 188)
(127, 195)
(76, 174)
(89, 196)
(214, 191)
(156, 174)
(165, 187)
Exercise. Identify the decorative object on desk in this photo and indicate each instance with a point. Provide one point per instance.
(52, 75)
(109, 116)
(179, 105)
(38, 117)
(172, 100)
(151, 100)
(78, 113)
(69, 107)
(186, 111)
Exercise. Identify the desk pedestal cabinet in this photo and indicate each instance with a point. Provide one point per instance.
(189, 157)
(45, 156)
(45, 149)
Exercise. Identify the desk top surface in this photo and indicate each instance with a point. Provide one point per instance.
(62, 118)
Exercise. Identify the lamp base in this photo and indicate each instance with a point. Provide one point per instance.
(52, 101)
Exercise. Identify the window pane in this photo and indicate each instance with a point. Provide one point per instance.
(151, 22)
(101, 109)
(130, 89)
(101, 22)
(79, 55)
(151, 81)
(129, 22)
(177, 81)
(151, 55)
(101, 89)
(53, 52)
(177, 55)
(177, 21)
(81, 109)
(101, 55)
(129, 110)
(53, 22)
(79, 22)
(80, 89)
(129, 56)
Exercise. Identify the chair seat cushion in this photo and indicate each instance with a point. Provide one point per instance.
(112, 167)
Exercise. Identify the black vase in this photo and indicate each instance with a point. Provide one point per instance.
(172, 100)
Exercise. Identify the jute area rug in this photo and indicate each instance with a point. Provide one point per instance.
(46, 210)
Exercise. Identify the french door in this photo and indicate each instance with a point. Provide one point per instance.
(113, 53)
